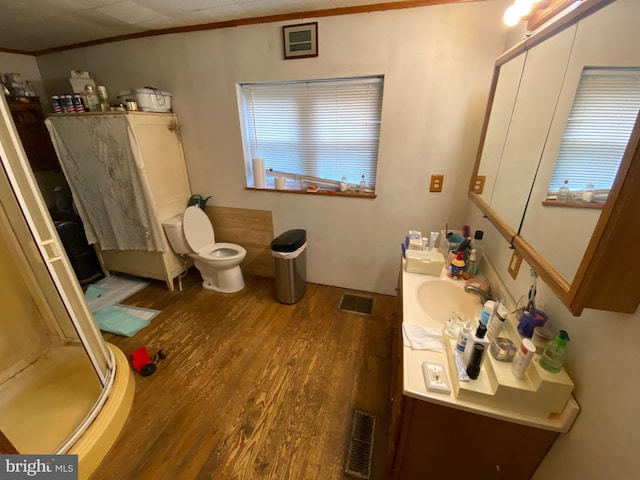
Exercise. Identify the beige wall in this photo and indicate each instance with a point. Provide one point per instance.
(437, 63)
(605, 440)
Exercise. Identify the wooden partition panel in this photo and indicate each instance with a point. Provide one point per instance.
(251, 229)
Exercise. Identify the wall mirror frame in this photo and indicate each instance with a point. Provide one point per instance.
(605, 277)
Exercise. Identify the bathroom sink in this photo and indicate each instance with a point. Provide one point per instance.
(439, 297)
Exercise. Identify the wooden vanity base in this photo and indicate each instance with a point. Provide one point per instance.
(442, 442)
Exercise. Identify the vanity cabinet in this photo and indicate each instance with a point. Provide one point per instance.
(427, 440)
(586, 256)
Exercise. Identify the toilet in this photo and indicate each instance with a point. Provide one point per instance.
(218, 263)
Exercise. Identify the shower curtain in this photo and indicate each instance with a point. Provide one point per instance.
(101, 160)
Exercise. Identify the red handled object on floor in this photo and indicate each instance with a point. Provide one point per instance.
(142, 362)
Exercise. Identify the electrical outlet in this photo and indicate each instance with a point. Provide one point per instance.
(436, 183)
(478, 184)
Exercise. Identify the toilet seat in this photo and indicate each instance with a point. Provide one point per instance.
(220, 251)
(198, 231)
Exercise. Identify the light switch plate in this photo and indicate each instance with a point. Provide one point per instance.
(435, 377)
(436, 183)
(514, 264)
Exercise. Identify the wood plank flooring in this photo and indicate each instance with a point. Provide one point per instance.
(252, 388)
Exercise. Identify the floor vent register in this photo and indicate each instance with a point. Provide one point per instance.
(361, 445)
(356, 304)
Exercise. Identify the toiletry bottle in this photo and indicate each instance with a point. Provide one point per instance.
(476, 244)
(456, 268)
(523, 357)
(478, 337)
(496, 322)
(91, 98)
(470, 267)
(563, 192)
(473, 369)
(103, 98)
(363, 185)
(555, 353)
(463, 337)
(587, 194)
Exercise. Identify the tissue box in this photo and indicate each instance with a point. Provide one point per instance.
(424, 262)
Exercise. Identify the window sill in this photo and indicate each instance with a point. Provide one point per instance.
(328, 193)
(574, 204)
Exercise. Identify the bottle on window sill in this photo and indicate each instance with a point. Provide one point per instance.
(563, 192)
(587, 194)
(363, 185)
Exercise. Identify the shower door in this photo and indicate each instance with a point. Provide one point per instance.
(55, 365)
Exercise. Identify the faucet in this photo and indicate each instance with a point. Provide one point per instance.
(484, 295)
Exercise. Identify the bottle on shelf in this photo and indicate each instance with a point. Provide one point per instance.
(463, 337)
(476, 244)
(555, 353)
(456, 267)
(470, 267)
(523, 357)
(363, 185)
(564, 194)
(92, 102)
(343, 184)
(103, 98)
(478, 337)
(473, 369)
(587, 194)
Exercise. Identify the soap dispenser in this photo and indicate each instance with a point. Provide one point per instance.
(555, 353)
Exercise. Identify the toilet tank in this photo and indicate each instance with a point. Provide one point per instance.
(175, 234)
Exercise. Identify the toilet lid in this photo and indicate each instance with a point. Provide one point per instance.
(198, 231)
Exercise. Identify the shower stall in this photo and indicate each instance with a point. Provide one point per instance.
(62, 388)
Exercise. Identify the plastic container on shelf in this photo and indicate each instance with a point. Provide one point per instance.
(147, 99)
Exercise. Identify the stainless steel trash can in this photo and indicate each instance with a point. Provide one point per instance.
(289, 251)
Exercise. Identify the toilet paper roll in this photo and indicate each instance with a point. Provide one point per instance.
(281, 183)
(258, 173)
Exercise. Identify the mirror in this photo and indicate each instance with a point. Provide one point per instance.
(533, 110)
(508, 81)
(518, 151)
(602, 40)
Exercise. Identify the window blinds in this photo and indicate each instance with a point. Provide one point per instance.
(604, 112)
(321, 128)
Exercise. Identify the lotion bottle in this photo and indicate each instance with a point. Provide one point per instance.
(463, 337)
(523, 357)
(479, 337)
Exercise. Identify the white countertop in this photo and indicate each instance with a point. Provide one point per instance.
(413, 378)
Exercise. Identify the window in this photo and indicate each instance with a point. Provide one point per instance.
(598, 129)
(317, 131)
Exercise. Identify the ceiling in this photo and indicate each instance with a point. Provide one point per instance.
(37, 25)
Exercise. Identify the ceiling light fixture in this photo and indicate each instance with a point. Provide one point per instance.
(516, 12)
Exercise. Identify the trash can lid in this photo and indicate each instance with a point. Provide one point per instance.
(289, 241)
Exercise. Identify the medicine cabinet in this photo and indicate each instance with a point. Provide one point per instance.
(585, 255)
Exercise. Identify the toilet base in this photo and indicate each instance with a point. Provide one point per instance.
(225, 281)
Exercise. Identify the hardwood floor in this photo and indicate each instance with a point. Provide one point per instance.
(252, 388)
